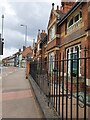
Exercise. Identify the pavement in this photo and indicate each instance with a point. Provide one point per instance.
(18, 99)
(47, 109)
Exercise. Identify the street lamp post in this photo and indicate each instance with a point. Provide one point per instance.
(1, 38)
(25, 33)
(2, 24)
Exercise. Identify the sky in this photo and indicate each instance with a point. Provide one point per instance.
(33, 13)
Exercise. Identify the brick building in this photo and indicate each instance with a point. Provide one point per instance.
(27, 52)
(27, 56)
(41, 35)
(74, 32)
(53, 41)
(34, 50)
(43, 46)
(68, 29)
(67, 49)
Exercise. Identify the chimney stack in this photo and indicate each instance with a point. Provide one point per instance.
(67, 5)
(52, 6)
(38, 31)
(57, 7)
(24, 48)
(19, 50)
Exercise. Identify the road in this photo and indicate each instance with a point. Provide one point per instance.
(18, 100)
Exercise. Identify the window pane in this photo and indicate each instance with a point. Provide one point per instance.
(52, 32)
(71, 22)
(80, 14)
(80, 47)
(77, 18)
(72, 50)
(76, 48)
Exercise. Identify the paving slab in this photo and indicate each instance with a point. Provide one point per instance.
(18, 100)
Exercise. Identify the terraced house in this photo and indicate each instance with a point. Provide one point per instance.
(68, 29)
(66, 55)
(41, 35)
(74, 33)
(53, 40)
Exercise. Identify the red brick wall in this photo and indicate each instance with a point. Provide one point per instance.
(67, 5)
(51, 44)
(84, 14)
(27, 50)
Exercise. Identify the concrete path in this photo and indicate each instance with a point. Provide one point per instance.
(18, 98)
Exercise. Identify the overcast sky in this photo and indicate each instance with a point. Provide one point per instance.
(34, 14)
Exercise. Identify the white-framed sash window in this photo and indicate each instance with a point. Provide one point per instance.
(51, 61)
(52, 32)
(72, 53)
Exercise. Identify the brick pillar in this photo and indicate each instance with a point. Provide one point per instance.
(27, 68)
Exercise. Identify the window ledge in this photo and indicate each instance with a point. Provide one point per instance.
(56, 36)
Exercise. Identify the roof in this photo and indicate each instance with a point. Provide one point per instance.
(27, 51)
(42, 35)
(58, 14)
(16, 53)
(5, 58)
(75, 6)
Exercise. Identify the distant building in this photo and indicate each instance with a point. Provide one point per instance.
(13, 60)
(26, 54)
(43, 46)
(34, 50)
(40, 37)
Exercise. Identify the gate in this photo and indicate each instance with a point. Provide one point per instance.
(68, 91)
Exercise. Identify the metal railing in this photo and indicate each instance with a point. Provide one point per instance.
(66, 90)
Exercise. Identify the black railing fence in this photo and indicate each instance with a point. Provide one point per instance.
(65, 82)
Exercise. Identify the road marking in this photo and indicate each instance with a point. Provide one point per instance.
(16, 95)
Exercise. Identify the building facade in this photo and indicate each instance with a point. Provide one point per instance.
(74, 27)
(53, 41)
(41, 35)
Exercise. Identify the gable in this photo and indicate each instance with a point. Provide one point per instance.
(26, 52)
(52, 17)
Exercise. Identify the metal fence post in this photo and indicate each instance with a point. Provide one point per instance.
(85, 83)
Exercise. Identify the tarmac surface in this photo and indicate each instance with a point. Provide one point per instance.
(18, 100)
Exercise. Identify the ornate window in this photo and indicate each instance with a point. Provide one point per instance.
(70, 23)
(76, 17)
(74, 22)
(52, 32)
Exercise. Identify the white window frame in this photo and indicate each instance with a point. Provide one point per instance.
(70, 57)
(52, 32)
(74, 20)
(51, 61)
